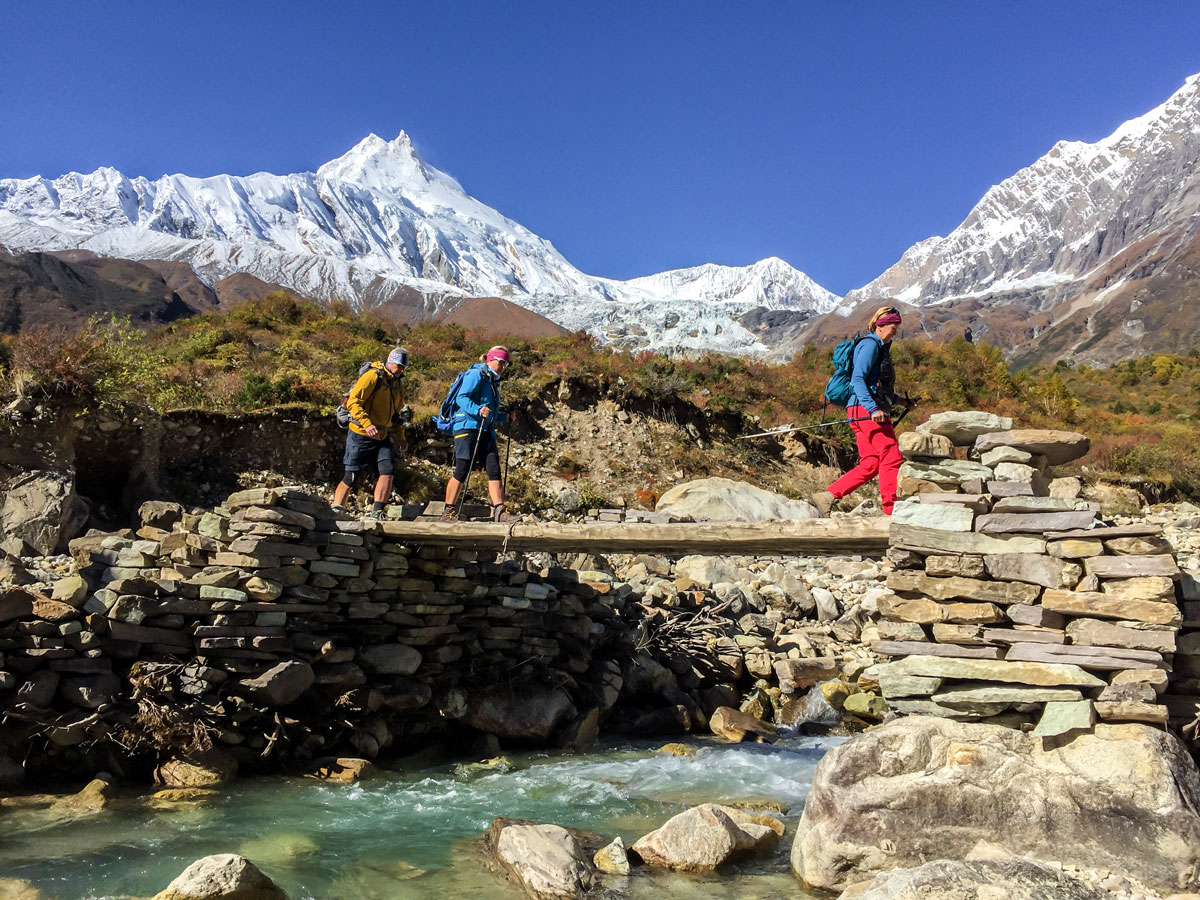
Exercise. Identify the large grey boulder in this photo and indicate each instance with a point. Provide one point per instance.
(725, 500)
(703, 838)
(546, 859)
(963, 427)
(1013, 878)
(225, 876)
(42, 509)
(528, 712)
(1123, 798)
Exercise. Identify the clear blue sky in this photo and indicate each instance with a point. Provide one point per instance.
(636, 136)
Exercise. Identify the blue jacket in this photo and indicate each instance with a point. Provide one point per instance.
(864, 376)
(479, 388)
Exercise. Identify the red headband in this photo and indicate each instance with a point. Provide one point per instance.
(888, 319)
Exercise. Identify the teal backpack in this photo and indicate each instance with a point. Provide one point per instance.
(838, 389)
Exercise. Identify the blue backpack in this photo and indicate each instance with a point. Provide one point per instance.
(444, 420)
(838, 389)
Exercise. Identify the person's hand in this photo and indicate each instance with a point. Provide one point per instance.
(879, 416)
(372, 431)
(485, 411)
(402, 446)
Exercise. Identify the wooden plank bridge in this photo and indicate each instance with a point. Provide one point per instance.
(840, 537)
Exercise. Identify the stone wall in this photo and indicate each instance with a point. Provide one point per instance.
(272, 631)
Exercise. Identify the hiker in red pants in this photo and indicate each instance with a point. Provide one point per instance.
(873, 382)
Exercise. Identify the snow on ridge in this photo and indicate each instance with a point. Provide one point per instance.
(371, 221)
(1049, 222)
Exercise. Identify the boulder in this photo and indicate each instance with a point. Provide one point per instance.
(699, 840)
(96, 794)
(281, 684)
(197, 769)
(612, 859)
(735, 725)
(225, 876)
(545, 859)
(1122, 798)
(963, 427)
(530, 712)
(42, 509)
(725, 500)
(1012, 878)
(1057, 446)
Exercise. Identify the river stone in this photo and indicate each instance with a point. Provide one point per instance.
(1057, 446)
(915, 444)
(800, 674)
(1033, 568)
(705, 571)
(612, 859)
(281, 684)
(96, 794)
(546, 859)
(43, 510)
(698, 840)
(963, 427)
(943, 516)
(529, 712)
(20, 889)
(1123, 798)
(737, 726)
(866, 705)
(1013, 878)
(946, 471)
(1034, 673)
(225, 876)
(197, 769)
(725, 500)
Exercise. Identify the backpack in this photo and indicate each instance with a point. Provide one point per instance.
(444, 420)
(342, 413)
(838, 389)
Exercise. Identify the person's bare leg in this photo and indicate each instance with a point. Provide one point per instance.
(453, 486)
(341, 494)
(383, 488)
(495, 493)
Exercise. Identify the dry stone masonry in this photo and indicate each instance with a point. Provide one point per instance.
(1011, 602)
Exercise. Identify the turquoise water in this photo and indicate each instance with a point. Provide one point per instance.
(409, 832)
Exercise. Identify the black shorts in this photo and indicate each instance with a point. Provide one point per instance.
(363, 452)
(487, 456)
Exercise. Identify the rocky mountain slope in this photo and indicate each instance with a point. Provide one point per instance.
(380, 227)
(1090, 253)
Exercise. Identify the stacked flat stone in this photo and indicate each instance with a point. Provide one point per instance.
(1026, 624)
(269, 602)
(1001, 461)
(1183, 698)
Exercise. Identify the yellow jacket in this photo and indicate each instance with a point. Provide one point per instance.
(375, 398)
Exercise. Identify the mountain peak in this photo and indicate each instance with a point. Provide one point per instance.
(374, 161)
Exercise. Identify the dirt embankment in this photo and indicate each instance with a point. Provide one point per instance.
(610, 446)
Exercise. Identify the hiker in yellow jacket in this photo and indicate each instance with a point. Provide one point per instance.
(377, 415)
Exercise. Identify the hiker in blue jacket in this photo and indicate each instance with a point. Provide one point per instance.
(477, 413)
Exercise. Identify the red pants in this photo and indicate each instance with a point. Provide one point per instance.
(878, 453)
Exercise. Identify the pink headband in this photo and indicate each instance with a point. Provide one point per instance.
(888, 319)
(497, 353)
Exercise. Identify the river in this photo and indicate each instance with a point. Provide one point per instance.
(407, 832)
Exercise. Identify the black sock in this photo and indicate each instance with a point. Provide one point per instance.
(378, 505)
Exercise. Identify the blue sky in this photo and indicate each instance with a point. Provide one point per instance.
(636, 136)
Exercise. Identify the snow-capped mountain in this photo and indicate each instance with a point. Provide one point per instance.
(377, 223)
(1070, 242)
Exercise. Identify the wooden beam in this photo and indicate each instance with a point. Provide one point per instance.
(841, 537)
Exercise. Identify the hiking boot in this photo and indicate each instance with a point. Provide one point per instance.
(823, 501)
(499, 515)
(339, 512)
(450, 515)
(379, 515)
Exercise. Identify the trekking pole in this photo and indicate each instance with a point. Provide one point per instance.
(507, 451)
(790, 428)
(462, 497)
